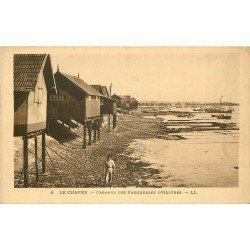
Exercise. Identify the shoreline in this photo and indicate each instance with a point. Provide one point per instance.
(87, 168)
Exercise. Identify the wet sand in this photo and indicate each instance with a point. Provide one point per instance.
(204, 159)
(142, 159)
(85, 168)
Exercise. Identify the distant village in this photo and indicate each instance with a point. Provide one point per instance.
(189, 104)
(53, 103)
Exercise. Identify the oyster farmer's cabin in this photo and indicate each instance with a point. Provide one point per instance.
(75, 101)
(108, 105)
(33, 81)
(125, 102)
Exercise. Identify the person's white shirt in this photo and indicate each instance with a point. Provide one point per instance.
(110, 164)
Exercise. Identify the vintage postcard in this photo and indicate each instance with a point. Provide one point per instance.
(125, 125)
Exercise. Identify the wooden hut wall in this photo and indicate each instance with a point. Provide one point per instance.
(20, 113)
(68, 103)
(125, 105)
(37, 106)
(108, 107)
(30, 109)
(64, 106)
(92, 107)
(71, 102)
(114, 107)
(118, 100)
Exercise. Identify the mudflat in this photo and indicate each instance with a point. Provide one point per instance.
(144, 157)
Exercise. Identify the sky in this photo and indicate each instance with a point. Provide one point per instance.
(157, 75)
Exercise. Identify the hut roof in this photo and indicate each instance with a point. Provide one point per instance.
(27, 68)
(105, 91)
(101, 89)
(123, 96)
(114, 96)
(81, 85)
(133, 99)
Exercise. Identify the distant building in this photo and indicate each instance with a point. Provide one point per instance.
(134, 103)
(108, 105)
(125, 102)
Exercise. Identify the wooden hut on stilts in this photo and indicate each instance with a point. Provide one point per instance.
(75, 101)
(33, 81)
(108, 105)
(125, 102)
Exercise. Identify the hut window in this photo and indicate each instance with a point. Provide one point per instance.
(93, 97)
(52, 97)
(58, 98)
(39, 95)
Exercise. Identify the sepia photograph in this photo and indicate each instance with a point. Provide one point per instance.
(124, 124)
(126, 118)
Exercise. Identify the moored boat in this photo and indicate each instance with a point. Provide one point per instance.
(222, 116)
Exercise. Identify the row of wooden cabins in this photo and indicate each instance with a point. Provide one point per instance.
(42, 98)
(125, 102)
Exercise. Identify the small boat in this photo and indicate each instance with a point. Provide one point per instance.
(184, 115)
(178, 106)
(222, 116)
(198, 109)
(218, 110)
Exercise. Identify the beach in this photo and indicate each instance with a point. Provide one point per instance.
(144, 157)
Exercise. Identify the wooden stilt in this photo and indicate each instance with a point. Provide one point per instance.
(90, 132)
(84, 135)
(36, 163)
(25, 161)
(94, 139)
(114, 121)
(63, 127)
(69, 124)
(43, 153)
(109, 122)
(99, 129)
(48, 127)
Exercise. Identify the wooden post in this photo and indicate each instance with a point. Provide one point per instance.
(48, 127)
(90, 132)
(99, 129)
(25, 161)
(69, 124)
(36, 164)
(63, 127)
(114, 121)
(101, 120)
(94, 139)
(109, 122)
(43, 153)
(84, 135)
